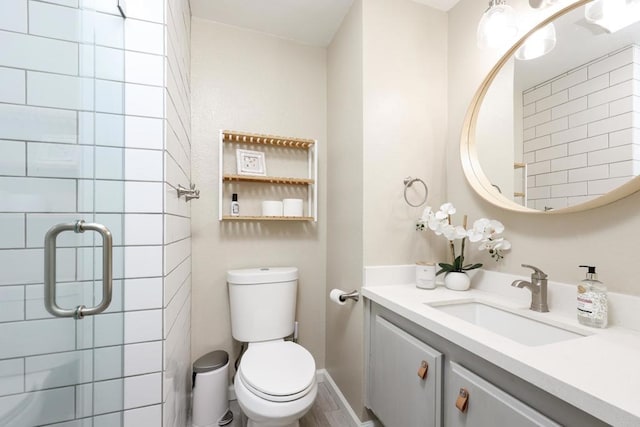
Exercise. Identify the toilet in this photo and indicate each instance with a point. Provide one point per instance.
(275, 383)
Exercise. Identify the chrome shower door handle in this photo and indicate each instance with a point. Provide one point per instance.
(50, 269)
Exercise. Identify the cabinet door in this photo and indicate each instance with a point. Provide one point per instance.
(398, 396)
(487, 405)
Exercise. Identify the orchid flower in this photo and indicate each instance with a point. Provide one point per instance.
(446, 210)
(486, 231)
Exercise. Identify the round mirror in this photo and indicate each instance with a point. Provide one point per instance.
(555, 126)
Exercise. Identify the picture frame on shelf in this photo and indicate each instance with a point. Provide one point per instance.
(250, 163)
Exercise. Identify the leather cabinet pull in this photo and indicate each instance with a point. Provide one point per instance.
(463, 399)
(423, 369)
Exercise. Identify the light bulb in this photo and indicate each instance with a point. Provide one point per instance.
(497, 27)
(541, 4)
(539, 43)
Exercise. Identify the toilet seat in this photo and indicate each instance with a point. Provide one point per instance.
(277, 371)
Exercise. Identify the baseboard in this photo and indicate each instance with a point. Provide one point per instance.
(322, 376)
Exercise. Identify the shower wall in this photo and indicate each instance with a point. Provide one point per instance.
(580, 131)
(177, 231)
(99, 132)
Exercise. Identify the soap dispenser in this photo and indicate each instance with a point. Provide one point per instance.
(592, 300)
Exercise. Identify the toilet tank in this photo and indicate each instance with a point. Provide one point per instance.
(262, 302)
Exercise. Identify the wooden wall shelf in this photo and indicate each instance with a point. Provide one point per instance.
(521, 194)
(278, 141)
(286, 161)
(268, 179)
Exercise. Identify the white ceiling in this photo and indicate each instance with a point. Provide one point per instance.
(312, 22)
(443, 5)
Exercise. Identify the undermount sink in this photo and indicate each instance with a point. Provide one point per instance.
(512, 325)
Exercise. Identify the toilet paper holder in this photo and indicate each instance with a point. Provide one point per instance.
(353, 295)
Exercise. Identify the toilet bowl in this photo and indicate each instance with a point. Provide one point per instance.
(275, 384)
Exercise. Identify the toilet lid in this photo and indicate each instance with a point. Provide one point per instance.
(277, 368)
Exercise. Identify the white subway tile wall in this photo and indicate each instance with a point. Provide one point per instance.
(14, 16)
(143, 229)
(101, 132)
(152, 160)
(143, 358)
(12, 230)
(175, 253)
(582, 131)
(143, 261)
(142, 390)
(177, 232)
(24, 51)
(143, 132)
(144, 101)
(143, 197)
(109, 63)
(143, 294)
(148, 416)
(175, 306)
(144, 68)
(19, 122)
(11, 304)
(177, 365)
(12, 84)
(176, 278)
(45, 407)
(12, 373)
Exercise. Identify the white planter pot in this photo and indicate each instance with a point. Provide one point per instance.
(457, 281)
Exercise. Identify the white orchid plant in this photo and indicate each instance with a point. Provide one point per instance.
(486, 231)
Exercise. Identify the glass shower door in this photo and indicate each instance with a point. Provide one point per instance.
(61, 102)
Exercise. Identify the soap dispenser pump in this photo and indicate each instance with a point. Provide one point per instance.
(592, 300)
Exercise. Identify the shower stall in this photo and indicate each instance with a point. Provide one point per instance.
(94, 243)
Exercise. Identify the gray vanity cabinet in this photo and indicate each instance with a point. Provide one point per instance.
(486, 404)
(398, 395)
(397, 346)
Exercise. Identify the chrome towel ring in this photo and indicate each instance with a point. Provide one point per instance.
(408, 182)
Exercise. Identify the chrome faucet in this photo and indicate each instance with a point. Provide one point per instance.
(538, 288)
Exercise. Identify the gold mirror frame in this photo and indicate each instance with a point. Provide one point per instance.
(468, 152)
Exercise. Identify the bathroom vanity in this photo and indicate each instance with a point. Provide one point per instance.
(492, 361)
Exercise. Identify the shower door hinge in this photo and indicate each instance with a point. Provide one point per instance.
(122, 7)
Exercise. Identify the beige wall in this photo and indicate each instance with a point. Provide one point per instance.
(248, 81)
(405, 88)
(605, 237)
(344, 211)
(386, 81)
(386, 100)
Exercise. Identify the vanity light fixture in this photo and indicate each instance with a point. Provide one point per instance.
(539, 43)
(541, 4)
(613, 15)
(497, 27)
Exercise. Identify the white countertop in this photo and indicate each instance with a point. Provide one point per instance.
(598, 373)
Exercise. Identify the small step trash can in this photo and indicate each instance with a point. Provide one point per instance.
(210, 386)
